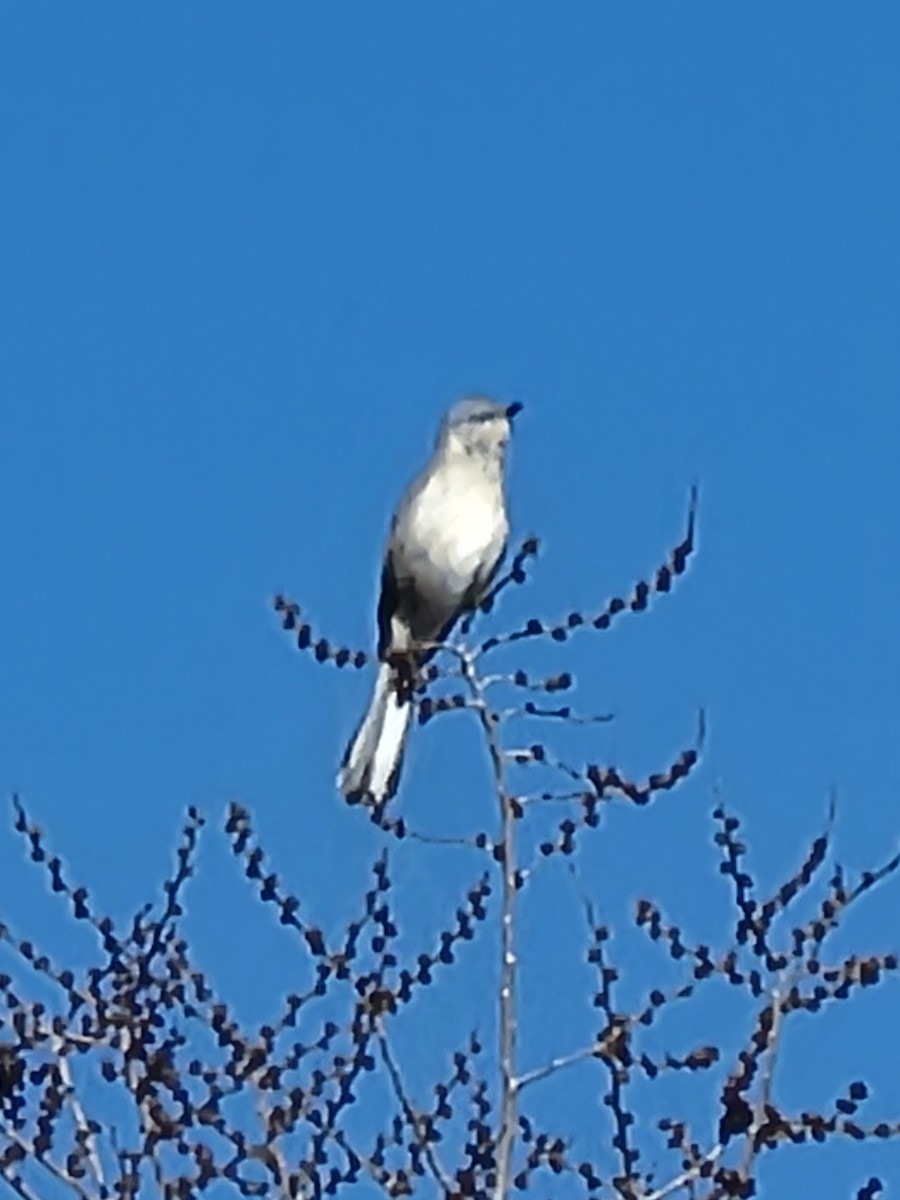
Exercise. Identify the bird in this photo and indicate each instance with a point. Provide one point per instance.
(447, 539)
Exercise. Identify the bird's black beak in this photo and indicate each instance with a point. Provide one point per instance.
(514, 409)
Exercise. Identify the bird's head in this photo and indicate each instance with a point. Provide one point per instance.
(477, 425)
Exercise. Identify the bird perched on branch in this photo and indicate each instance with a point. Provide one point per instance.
(446, 541)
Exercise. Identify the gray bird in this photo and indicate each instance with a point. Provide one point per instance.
(446, 542)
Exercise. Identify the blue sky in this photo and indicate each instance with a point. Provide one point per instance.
(247, 261)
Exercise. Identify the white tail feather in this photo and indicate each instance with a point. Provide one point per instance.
(371, 765)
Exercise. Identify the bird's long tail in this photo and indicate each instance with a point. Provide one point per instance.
(371, 765)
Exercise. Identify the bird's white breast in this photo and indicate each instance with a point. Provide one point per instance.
(455, 528)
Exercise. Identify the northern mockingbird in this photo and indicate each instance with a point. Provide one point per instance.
(446, 541)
